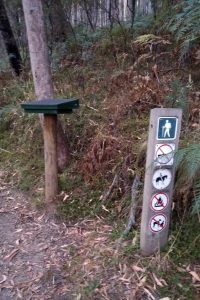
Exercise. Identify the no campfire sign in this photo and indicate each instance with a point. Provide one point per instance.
(164, 131)
(159, 201)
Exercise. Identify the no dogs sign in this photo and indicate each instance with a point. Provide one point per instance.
(158, 223)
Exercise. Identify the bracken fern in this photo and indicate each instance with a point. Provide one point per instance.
(188, 170)
(185, 25)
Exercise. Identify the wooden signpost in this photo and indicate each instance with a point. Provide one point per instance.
(164, 131)
(51, 108)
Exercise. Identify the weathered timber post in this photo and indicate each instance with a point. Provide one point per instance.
(164, 131)
(50, 156)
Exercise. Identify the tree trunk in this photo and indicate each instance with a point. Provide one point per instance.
(59, 26)
(154, 5)
(88, 10)
(9, 40)
(131, 5)
(41, 67)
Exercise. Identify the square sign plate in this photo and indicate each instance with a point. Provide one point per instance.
(167, 128)
(164, 154)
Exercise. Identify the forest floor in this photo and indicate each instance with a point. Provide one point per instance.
(76, 255)
(44, 258)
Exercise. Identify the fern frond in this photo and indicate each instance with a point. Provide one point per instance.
(187, 160)
(185, 25)
(196, 201)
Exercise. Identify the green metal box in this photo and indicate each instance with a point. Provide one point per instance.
(51, 106)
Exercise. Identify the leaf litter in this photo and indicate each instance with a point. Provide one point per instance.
(44, 258)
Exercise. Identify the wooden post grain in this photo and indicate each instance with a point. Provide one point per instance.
(155, 220)
(50, 153)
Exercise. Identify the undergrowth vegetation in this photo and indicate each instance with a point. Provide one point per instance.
(118, 77)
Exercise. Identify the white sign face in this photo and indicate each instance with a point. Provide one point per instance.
(158, 223)
(164, 154)
(159, 201)
(167, 128)
(161, 179)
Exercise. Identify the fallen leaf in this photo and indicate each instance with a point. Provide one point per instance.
(142, 281)
(12, 254)
(138, 269)
(66, 197)
(157, 280)
(104, 208)
(195, 276)
(17, 242)
(3, 279)
(149, 294)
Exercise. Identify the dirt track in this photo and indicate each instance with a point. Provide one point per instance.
(42, 258)
(33, 250)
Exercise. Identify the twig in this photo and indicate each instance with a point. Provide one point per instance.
(5, 151)
(107, 194)
(131, 219)
(171, 69)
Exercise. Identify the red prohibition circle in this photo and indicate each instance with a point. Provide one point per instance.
(153, 218)
(155, 196)
(166, 155)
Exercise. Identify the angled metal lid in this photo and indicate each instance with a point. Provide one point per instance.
(51, 106)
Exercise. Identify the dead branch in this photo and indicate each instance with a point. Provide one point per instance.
(131, 219)
(107, 194)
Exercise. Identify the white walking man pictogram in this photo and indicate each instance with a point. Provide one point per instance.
(166, 129)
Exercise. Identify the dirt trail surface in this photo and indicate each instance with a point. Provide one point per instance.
(41, 258)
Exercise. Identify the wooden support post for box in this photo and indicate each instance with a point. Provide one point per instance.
(50, 155)
(164, 131)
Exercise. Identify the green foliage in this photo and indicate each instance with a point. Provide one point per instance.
(142, 24)
(178, 97)
(188, 165)
(185, 25)
(4, 63)
(19, 156)
(91, 287)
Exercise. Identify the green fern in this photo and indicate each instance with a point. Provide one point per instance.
(196, 200)
(178, 97)
(185, 25)
(187, 161)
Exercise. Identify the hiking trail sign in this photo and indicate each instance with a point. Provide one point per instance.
(164, 132)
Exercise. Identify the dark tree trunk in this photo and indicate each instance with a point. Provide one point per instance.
(59, 26)
(154, 5)
(9, 40)
(88, 13)
(131, 5)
